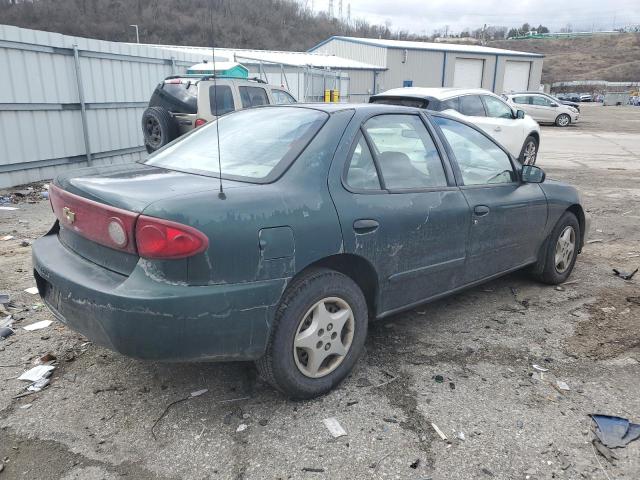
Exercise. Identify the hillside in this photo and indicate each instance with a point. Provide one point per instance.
(261, 24)
(611, 57)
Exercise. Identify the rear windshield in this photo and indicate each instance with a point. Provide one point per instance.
(253, 143)
(176, 97)
(403, 101)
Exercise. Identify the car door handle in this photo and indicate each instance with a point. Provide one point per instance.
(497, 129)
(481, 210)
(365, 225)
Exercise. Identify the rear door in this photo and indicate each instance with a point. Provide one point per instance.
(508, 216)
(399, 207)
(507, 129)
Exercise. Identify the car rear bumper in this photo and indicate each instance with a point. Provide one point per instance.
(145, 317)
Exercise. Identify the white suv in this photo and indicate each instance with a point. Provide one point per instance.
(544, 108)
(517, 132)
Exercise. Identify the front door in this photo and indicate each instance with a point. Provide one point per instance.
(508, 216)
(399, 209)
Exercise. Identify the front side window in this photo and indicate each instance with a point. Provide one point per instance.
(521, 100)
(497, 108)
(221, 99)
(471, 105)
(406, 154)
(541, 101)
(281, 97)
(252, 143)
(481, 161)
(362, 174)
(253, 96)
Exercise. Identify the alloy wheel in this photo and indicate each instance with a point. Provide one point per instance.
(324, 337)
(153, 133)
(565, 247)
(563, 120)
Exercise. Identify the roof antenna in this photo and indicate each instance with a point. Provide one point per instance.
(221, 194)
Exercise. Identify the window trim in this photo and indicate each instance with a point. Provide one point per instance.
(444, 159)
(479, 95)
(211, 100)
(284, 92)
(345, 171)
(454, 161)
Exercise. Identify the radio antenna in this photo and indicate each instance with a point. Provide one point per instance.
(221, 194)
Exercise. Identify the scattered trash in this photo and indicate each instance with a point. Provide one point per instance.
(32, 290)
(615, 432)
(37, 373)
(26, 406)
(539, 368)
(7, 238)
(595, 240)
(8, 208)
(438, 378)
(439, 432)
(415, 464)
(197, 393)
(452, 385)
(25, 243)
(624, 275)
(460, 436)
(6, 332)
(38, 325)
(604, 451)
(635, 300)
(4, 298)
(334, 427)
(312, 469)
(48, 357)
(562, 386)
(241, 428)
(6, 321)
(39, 385)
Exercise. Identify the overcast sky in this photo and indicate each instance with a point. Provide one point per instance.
(427, 16)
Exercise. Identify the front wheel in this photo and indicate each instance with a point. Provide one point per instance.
(559, 256)
(563, 120)
(529, 152)
(317, 336)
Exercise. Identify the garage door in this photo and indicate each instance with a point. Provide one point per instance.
(516, 76)
(468, 73)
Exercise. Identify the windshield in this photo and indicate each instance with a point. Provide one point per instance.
(252, 143)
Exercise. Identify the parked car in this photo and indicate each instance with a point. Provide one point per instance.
(181, 103)
(585, 97)
(519, 134)
(544, 108)
(314, 220)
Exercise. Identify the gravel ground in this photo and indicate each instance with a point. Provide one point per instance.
(95, 419)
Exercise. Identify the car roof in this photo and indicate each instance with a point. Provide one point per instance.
(528, 93)
(338, 107)
(437, 93)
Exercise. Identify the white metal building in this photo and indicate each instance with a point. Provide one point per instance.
(306, 75)
(421, 64)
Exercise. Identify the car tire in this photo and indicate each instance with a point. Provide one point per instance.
(302, 334)
(558, 257)
(158, 128)
(529, 152)
(563, 120)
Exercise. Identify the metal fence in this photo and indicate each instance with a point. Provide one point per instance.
(73, 101)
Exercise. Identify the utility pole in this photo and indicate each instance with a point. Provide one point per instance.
(330, 8)
(340, 9)
(137, 34)
(349, 12)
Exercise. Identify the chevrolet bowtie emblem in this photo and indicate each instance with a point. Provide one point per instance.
(69, 215)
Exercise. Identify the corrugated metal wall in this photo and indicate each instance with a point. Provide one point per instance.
(371, 54)
(41, 119)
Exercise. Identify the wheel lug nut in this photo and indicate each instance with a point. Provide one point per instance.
(320, 332)
(330, 327)
(319, 344)
(327, 346)
(334, 335)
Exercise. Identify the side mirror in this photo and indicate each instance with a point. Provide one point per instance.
(532, 174)
(520, 114)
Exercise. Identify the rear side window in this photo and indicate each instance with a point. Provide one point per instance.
(362, 173)
(471, 105)
(541, 101)
(253, 96)
(221, 99)
(176, 97)
(522, 100)
(282, 98)
(405, 152)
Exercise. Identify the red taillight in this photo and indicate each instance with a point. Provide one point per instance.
(199, 122)
(162, 239)
(103, 224)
